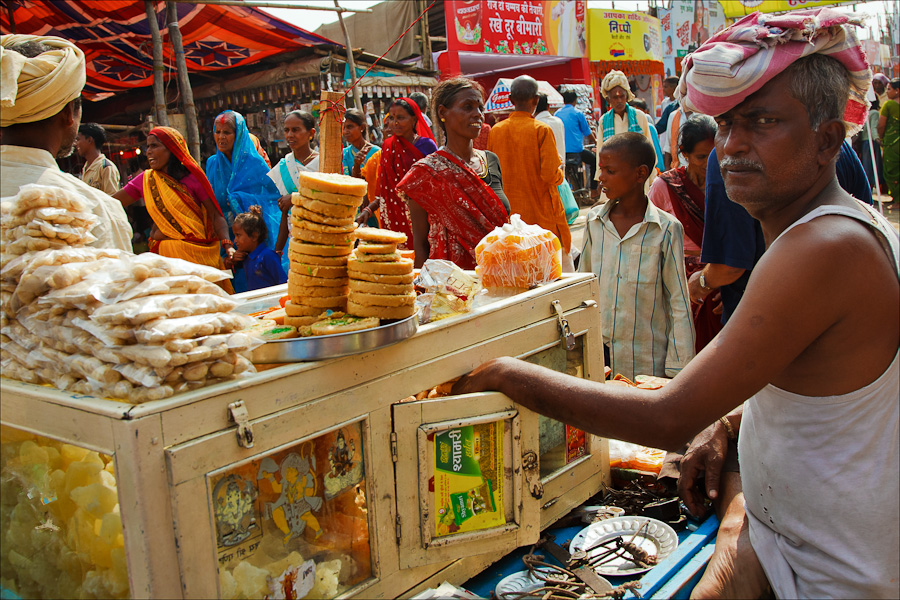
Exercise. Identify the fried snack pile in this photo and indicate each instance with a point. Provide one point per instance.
(518, 255)
(322, 226)
(59, 520)
(381, 281)
(111, 324)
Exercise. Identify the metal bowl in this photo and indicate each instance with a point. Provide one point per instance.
(320, 347)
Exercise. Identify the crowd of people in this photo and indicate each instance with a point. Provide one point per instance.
(755, 176)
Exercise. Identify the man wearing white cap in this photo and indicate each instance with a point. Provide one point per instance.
(814, 356)
(41, 79)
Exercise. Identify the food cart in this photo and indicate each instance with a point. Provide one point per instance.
(312, 479)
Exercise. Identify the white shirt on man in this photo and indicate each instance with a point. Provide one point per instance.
(559, 131)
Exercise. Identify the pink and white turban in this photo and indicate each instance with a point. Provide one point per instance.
(738, 61)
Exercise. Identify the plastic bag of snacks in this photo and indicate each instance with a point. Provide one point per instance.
(518, 255)
(448, 290)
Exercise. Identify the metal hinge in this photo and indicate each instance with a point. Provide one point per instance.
(567, 335)
(394, 446)
(398, 528)
(237, 412)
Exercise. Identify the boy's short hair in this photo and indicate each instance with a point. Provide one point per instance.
(633, 147)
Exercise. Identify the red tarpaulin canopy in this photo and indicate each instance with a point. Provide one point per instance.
(115, 37)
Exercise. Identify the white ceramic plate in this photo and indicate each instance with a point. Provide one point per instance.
(656, 538)
(523, 581)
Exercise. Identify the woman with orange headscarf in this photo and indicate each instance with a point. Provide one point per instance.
(187, 220)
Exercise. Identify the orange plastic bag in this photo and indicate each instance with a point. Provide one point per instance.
(518, 255)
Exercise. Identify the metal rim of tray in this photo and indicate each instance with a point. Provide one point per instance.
(321, 347)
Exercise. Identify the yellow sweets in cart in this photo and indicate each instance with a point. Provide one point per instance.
(60, 528)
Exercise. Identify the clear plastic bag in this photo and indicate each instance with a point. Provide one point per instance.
(32, 196)
(147, 265)
(518, 255)
(448, 290)
(173, 306)
(57, 216)
(162, 330)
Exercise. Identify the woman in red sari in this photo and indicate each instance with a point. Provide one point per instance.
(412, 140)
(681, 192)
(455, 195)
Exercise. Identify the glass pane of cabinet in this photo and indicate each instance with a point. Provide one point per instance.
(60, 528)
(560, 444)
(294, 523)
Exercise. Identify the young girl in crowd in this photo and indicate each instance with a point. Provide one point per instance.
(262, 266)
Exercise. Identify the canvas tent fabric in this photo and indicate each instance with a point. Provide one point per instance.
(498, 99)
(377, 30)
(115, 37)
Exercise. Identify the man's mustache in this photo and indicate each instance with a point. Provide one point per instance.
(730, 162)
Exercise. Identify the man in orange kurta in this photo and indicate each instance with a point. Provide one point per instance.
(531, 166)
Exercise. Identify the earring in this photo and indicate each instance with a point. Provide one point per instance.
(443, 120)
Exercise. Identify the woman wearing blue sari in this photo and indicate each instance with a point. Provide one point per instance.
(238, 175)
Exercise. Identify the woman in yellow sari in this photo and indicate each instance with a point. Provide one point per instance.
(187, 220)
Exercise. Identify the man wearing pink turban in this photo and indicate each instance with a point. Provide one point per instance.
(811, 352)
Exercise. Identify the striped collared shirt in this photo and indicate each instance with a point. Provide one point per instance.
(645, 309)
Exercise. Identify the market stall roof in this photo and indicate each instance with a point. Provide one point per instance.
(115, 37)
(498, 100)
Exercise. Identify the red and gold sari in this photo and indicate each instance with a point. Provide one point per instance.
(461, 208)
(178, 215)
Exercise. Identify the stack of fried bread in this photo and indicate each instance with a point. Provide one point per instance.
(381, 281)
(322, 226)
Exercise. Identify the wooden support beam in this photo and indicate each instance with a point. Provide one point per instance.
(160, 116)
(331, 134)
(184, 82)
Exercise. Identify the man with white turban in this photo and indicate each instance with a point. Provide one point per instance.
(41, 79)
(814, 356)
(622, 117)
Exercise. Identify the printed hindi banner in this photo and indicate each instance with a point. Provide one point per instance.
(516, 26)
(740, 8)
(623, 36)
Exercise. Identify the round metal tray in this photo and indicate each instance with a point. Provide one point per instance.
(320, 347)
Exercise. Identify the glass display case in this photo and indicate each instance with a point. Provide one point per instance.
(306, 480)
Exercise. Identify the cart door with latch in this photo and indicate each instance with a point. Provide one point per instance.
(467, 477)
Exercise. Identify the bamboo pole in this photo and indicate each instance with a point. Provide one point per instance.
(159, 99)
(357, 99)
(331, 133)
(12, 18)
(184, 82)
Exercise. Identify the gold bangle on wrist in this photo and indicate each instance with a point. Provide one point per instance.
(729, 429)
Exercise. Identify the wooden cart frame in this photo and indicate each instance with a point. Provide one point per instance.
(165, 450)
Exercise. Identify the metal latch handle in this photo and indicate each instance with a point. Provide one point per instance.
(237, 412)
(567, 336)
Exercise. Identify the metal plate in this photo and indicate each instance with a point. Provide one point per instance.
(655, 537)
(522, 582)
(320, 347)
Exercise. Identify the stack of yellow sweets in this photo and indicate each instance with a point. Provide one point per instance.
(322, 226)
(381, 281)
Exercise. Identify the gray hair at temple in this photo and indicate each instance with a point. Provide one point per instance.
(822, 85)
(522, 89)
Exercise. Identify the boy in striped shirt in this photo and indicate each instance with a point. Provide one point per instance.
(637, 252)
